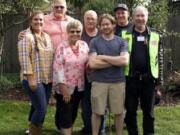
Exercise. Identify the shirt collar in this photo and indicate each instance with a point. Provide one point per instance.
(54, 18)
(130, 29)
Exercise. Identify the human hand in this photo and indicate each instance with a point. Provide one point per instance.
(21, 35)
(66, 97)
(158, 90)
(32, 82)
(64, 91)
(158, 95)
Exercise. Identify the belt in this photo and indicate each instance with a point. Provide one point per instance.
(141, 76)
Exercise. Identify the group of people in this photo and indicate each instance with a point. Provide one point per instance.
(109, 64)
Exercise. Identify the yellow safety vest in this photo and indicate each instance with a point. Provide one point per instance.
(153, 52)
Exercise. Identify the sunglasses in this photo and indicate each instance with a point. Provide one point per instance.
(75, 31)
(57, 7)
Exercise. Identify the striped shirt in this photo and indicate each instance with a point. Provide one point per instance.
(33, 62)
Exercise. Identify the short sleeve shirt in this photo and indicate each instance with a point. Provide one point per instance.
(56, 29)
(69, 66)
(112, 47)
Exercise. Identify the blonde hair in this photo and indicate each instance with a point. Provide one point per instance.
(74, 24)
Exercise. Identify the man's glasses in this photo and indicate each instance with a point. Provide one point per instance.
(75, 31)
(57, 7)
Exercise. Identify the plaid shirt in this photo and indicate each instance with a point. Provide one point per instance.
(37, 63)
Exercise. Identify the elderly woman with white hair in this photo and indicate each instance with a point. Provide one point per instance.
(55, 26)
(69, 64)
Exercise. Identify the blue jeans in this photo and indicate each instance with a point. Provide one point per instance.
(86, 109)
(39, 101)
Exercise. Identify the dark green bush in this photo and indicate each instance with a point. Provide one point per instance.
(9, 81)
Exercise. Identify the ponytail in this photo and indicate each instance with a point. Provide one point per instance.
(35, 39)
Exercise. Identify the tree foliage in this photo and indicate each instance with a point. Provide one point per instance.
(158, 14)
(9, 16)
(105, 6)
(158, 9)
(76, 7)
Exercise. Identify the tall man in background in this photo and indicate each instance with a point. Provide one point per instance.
(90, 31)
(122, 15)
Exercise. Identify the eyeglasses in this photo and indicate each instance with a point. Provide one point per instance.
(57, 7)
(38, 19)
(75, 31)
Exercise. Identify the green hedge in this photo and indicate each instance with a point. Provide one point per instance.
(10, 81)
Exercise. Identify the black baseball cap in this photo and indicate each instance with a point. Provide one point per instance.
(121, 6)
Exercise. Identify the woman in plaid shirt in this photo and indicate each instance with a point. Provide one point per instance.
(35, 56)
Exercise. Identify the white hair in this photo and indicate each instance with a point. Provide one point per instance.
(91, 12)
(59, 1)
(74, 24)
(140, 8)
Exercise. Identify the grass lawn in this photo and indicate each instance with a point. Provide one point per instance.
(13, 119)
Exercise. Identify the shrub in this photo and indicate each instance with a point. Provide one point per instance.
(9, 81)
(5, 83)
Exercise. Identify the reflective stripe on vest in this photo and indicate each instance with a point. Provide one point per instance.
(153, 52)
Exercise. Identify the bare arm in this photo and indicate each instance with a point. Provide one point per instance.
(96, 63)
(121, 60)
